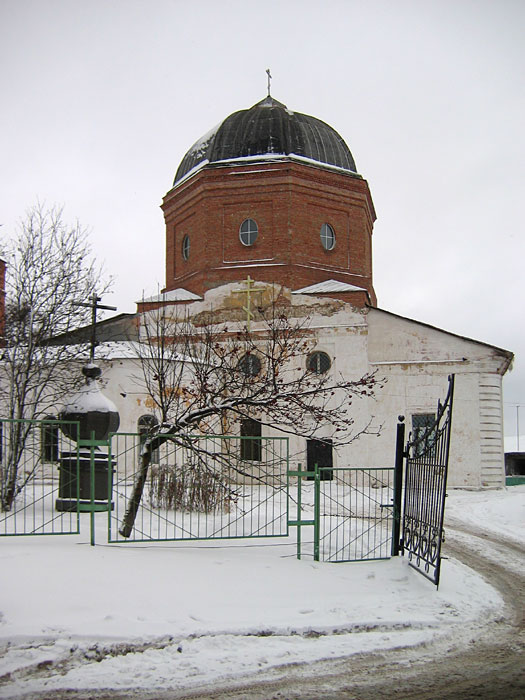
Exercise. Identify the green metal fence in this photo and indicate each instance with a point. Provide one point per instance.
(196, 488)
(356, 515)
(200, 487)
(350, 510)
(31, 480)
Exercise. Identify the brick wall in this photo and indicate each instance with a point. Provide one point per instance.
(289, 201)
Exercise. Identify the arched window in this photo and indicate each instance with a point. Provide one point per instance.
(327, 237)
(318, 362)
(186, 247)
(250, 365)
(248, 232)
(145, 427)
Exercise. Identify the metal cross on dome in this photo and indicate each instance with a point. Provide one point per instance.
(269, 79)
(94, 306)
(248, 290)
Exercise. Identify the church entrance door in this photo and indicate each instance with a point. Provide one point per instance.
(320, 452)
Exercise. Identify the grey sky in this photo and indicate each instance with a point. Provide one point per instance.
(102, 98)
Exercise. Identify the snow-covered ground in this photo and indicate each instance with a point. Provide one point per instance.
(177, 615)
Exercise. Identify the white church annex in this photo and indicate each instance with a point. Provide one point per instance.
(415, 361)
(275, 195)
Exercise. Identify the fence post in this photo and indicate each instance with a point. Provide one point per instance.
(398, 487)
(110, 481)
(317, 511)
(299, 499)
(92, 487)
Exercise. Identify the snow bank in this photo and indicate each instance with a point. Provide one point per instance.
(501, 512)
(193, 613)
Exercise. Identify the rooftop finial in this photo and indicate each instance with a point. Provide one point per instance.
(269, 79)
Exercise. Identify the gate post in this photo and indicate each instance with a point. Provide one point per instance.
(397, 545)
(317, 511)
(299, 517)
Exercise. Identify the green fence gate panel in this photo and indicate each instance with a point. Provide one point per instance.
(348, 513)
(356, 515)
(201, 487)
(33, 479)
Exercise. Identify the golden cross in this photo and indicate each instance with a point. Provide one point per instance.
(248, 291)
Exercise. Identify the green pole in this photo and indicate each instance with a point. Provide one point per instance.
(110, 485)
(317, 511)
(92, 486)
(299, 486)
(78, 475)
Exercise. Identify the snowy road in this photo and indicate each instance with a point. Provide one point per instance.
(255, 624)
(482, 661)
(485, 660)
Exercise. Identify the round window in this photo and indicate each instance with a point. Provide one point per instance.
(186, 247)
(318, 362)
(250, 365)
(327, 237)
(248, 232)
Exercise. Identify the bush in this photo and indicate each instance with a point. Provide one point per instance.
(189, 488)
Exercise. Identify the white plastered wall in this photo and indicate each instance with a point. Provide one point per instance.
(414, 359)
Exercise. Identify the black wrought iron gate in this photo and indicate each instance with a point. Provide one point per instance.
(426, 468)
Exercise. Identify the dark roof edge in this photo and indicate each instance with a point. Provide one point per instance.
(79, 335)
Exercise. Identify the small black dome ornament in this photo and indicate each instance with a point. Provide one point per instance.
(268, 129)
(96, 414)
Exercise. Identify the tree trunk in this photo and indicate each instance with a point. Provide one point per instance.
(134, 503)
(9, 473)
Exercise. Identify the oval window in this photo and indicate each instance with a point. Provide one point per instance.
(327, 237)
(250, 365)
(318, 362)
(186, 247)
(248, 232)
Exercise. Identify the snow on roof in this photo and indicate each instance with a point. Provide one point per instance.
(128, 350)
(329, 286)
(200, 147)
(271, 157)
(118, 350)
(89, 399)
(179, 294)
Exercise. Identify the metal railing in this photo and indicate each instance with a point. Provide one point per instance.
(200, 487)
(427, 457)
(355, 514)
(31, 480)
(350, 509)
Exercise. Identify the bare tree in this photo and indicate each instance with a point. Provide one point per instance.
(49, 269)
(206, 376)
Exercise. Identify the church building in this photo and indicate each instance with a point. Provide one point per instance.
(275, 195)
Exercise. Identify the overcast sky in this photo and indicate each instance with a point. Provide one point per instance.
(100, 100)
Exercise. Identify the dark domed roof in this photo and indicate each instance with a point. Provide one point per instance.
(268, 128)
